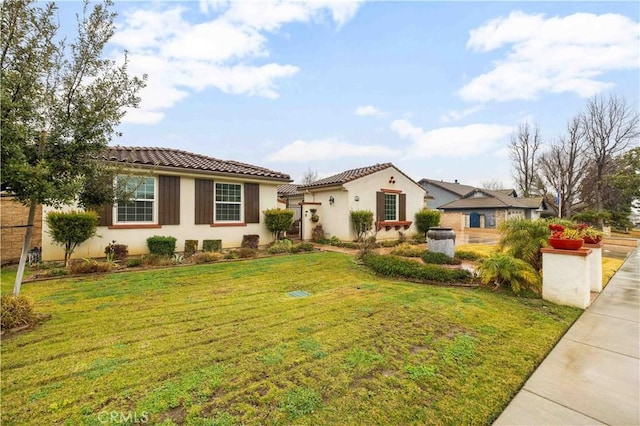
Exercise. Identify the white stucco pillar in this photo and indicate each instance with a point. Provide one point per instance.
(566, 276)
(595, 265)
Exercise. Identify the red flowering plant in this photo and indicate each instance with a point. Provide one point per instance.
(560, 232)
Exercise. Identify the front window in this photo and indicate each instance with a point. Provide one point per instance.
(228, 202)
(390, 207)
(140, 206)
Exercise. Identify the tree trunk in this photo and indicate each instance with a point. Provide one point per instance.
(25, 248)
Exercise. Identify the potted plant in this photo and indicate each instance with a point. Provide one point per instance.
(590, 234)
(314, 216)
(565, 238)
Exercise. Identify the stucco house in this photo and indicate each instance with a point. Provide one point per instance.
(184, 195)
(391, 195)
(483, 208)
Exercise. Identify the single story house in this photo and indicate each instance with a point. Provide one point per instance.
(383, 189)
(180, 194)
(444, 192)
(483, 208)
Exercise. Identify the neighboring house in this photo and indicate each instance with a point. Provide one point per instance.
(183, 195)
(290, 195)
(483, 208)
(392, 196)
(13, 226)
(444, 192)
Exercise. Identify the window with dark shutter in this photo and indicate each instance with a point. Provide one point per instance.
(251, 203)
(379, 206)
(402, 207)
(169, 200)
(203, 202)
(106, 215)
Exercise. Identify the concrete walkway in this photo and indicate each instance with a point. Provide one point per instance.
(592, 376)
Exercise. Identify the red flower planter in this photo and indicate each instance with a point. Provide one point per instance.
(589, 240)
(561, 244)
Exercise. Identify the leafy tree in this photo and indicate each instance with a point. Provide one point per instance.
(278, 221)
(60, 103)
(70, 229)
(523, 239)
(426, 219)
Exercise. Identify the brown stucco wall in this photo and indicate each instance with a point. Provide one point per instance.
(12, 214)
(452, 220)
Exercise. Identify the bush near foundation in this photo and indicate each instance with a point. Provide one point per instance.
(161, 245)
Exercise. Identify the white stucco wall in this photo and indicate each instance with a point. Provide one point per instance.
(136, 239)
(335, 219)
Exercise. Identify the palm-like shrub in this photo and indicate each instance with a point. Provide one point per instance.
(501, 269)
(523, 239)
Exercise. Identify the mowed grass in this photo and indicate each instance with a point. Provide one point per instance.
(225, 344)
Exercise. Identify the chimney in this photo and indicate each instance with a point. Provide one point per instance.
(456, 181)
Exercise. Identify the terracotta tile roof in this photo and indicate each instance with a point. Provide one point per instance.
(347, 176)
(288, 190)
(187, 161)
(454, 187)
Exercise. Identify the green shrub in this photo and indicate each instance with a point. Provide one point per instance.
(16, 311)
(303, 246)
(132, 263)
(116, 252)
(161, 245)
(251, 241)
(280, 246)
(190, 247)
(501, 269)
(407, 250)
(389, 243)
(393, 266)
(70, 229)
(419, 238)
(426, 219)
(361, 223)
(212, 245)
(468, 255)
(523, 239)
(89, 266)
(438, 258)
(231, 254)
(247, 253)
(278, 221)
(206, 257)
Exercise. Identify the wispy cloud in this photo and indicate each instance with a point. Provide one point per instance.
(369, 111)
(326, 149)
(181, 56)
(459, 115)
(556, 55)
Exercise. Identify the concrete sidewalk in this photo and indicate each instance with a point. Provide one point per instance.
(592, 376)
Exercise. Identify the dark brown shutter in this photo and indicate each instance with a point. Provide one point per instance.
(402, 208)
(204, 201)
(251, 203)
(106, 215)
(379, 206)
(169, 200)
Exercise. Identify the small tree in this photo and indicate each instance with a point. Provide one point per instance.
(501, 269)
(278, 221)
(523, 239)
(426, 219)
(361, 222)
(70, 229)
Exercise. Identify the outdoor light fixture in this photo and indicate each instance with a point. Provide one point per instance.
(356, 198)
(332, 200)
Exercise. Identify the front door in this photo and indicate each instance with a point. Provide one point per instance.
(474, 220)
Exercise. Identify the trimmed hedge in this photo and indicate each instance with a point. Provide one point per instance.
(438, 258)
(407, 250)
(251, 241)
(212, 245)
(162, 245)
(190, 247)
(468, 255)
(393, 266)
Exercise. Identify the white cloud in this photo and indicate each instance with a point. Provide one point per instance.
(328, 149)
(459, 115)
(222, 51)
(451, 141)
(557, 54)
(368, 110)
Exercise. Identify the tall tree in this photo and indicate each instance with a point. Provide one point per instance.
(524, 147)
(610, 127)
(562, 166)
(61, 103)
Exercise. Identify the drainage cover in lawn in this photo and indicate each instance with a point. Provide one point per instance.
(299, 293)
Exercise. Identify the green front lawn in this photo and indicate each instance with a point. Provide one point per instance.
(227, 343)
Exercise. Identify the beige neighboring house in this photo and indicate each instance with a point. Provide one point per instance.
(391, 195)
(13, 219)
(483, 208)
(184, 195)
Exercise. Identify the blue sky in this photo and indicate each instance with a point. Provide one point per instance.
(434, 87)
